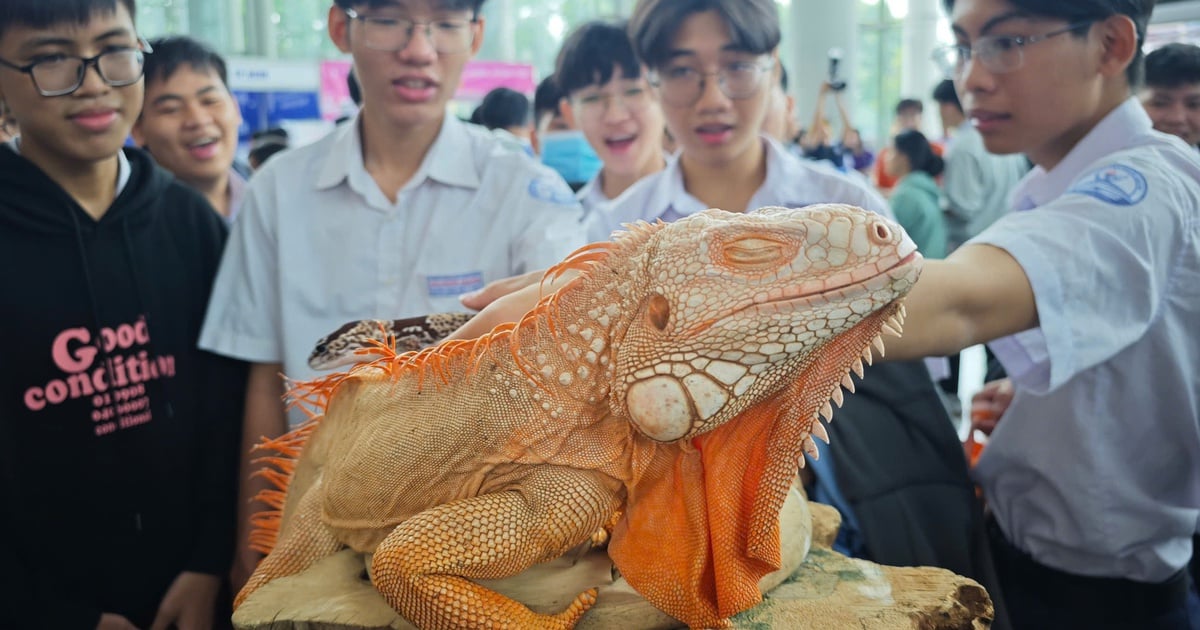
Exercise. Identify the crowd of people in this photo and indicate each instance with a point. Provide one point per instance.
(156, 292)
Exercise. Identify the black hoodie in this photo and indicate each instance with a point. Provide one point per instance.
(118, 436)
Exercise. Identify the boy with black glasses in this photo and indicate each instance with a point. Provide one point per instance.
(117, 435)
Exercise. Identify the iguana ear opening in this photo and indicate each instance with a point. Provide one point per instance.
(659, 311)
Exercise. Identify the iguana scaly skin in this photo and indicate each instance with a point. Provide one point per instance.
(678, 379)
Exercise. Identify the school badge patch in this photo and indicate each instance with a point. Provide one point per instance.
(1117, 184)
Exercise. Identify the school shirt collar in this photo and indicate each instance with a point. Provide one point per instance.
(1111, 135)
(779, 177)
(236, 192)
(669, 192)
(448, 160)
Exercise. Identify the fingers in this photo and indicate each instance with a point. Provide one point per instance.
(509, 308)
(113, 621)
(990, 403)
(478, 300)
(525, 292)
(189, 603)
(164, 619)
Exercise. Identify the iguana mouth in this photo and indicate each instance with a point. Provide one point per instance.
(810, 298)
(845, 291)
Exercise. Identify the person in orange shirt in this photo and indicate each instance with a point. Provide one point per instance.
(908, 116)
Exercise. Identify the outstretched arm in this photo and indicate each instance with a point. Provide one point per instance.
(843, 113)
(978, 294)
(815, 136)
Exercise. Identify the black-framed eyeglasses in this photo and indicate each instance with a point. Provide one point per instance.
(681, 86)
(389, 34)
(60, 75)
(997, 53)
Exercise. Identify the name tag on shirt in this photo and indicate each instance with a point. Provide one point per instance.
(442, 286)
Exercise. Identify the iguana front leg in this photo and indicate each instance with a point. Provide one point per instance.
(422, 567)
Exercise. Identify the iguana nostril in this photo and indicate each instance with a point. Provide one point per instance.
(881, 233)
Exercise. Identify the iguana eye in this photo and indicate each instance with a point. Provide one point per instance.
(753, 253)
(659, 311)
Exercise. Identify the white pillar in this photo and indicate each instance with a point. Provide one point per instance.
(920, 74)
(816, 26)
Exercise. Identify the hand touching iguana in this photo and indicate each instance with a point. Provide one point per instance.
(354, 341)
(677, 379)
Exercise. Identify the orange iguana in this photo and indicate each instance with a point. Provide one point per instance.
(677, 379)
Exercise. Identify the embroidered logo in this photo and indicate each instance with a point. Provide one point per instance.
(1117, 184)
(551, 190)
(443, 286)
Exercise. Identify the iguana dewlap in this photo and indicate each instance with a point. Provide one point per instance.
(678, 378)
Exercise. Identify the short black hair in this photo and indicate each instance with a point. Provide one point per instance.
(503, 108)
(909, 104)
(44, 13)
(263, 152)
(172, 52)
(445, 5)
(915, 146)
(1173, 65)
(1082, 10)
(591, 53)
(546, 97)
(753, 25)
(945, 93)
(783, 79)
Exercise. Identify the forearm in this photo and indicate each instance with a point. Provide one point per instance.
(265, 416)
(978, 294)
(842, 111)
(815, 135)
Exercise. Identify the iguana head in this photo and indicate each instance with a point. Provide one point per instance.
(731, 308)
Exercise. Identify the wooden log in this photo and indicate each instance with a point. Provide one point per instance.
(826, 591)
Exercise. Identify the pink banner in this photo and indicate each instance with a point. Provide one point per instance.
(335, 93)
(481, 77)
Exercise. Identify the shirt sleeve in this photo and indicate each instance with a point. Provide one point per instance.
(1100, 272)
(243, 319)
(553, 225)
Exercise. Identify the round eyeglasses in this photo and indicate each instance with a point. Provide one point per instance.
(59, 75)
(389, 34)
(997, 53)
(682, 86)
(593, 105)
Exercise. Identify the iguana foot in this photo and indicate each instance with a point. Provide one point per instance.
(582, 603)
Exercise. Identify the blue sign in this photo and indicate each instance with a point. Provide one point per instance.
(264, 110)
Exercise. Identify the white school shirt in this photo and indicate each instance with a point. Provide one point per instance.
(317, 244)
(592, 193)
(790, 182)
(1095, 467)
